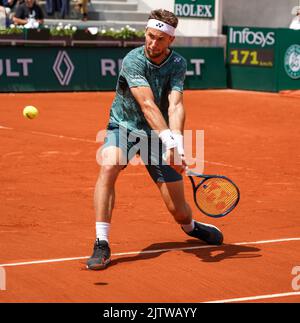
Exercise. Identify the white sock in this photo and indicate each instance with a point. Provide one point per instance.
(188, 227)
(102, 230)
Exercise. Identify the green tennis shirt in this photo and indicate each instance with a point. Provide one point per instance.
(137, 70)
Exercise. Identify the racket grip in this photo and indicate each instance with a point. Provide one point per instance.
(190, 173)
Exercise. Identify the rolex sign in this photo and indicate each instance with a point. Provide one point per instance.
(204, 9)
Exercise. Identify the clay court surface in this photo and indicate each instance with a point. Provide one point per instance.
(48, 172)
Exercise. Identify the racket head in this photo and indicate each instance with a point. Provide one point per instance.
(215, 195)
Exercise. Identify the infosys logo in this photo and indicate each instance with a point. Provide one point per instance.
(247, 36)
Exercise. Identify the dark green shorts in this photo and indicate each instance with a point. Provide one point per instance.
(149, 148)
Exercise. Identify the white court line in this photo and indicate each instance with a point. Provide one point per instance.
(62, 137)
(253, 298)
(150, 252)
(226, 165)
(6, 128)
(245, 92)
(52, 135)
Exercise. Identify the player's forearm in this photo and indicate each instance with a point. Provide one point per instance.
(157, 122)
(153, 115)
(176, 123)
(177, 118)
(145, 98)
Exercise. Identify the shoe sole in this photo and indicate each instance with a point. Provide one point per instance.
(99, 266)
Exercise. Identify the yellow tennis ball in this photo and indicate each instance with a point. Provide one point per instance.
(30, 112)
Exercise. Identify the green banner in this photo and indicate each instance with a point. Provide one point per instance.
(206, 67)
(251, 47)
(251, 58)
(195, 8)
(263, 59)
(87, 69)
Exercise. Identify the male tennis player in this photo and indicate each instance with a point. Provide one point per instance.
(149, 96)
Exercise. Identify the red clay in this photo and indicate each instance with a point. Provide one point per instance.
(46, 205)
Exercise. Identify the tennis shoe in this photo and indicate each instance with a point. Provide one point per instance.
(207, 233)
(100, 257)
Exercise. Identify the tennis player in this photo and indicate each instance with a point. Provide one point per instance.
(149, 100)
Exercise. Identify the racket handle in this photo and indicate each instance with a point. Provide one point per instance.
(190, 173)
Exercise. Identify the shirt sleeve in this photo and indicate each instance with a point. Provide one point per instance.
(19, 12)
(178, 76)
(133, 71)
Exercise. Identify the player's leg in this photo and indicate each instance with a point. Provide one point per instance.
(104, 195)
(173, 196)
(171, 187)
(170, 184)
(112, 162)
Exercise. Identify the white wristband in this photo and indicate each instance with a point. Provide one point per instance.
(167, 139)
(179, 140)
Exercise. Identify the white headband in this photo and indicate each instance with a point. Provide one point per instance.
(162, 26)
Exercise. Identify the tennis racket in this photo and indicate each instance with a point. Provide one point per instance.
(214, 195)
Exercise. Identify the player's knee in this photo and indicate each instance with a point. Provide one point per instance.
(112, 156)
(109, 172)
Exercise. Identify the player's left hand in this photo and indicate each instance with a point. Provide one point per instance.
(175, 160)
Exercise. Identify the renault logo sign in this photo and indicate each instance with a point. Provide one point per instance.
(63, 60)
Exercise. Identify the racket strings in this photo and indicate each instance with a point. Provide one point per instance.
(217, 196)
